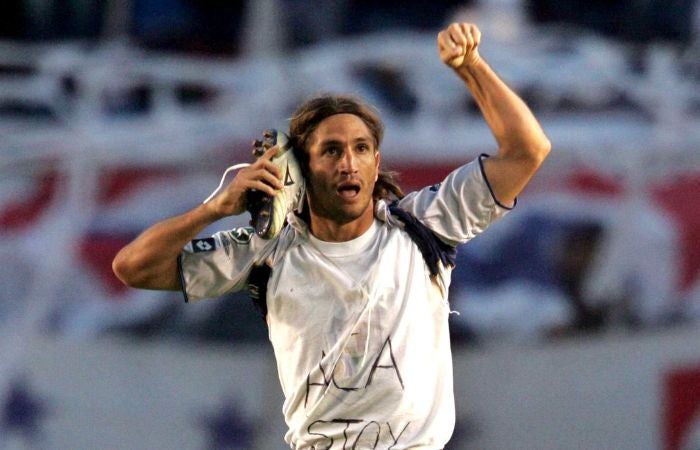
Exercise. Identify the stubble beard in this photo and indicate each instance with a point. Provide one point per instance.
(331, 209)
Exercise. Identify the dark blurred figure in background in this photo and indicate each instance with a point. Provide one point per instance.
(530, 281)
(309, 22)
(580, 242)
(51, 19)
(11, 17)
(197, 26)
(370, 15)
(637, 22)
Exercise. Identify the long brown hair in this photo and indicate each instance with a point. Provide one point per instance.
(306, 118)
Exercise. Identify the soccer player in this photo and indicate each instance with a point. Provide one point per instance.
(355, 287)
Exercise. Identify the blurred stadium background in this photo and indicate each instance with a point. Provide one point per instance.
(578, 314)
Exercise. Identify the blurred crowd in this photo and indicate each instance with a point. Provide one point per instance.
(569, 261)
(216, 26)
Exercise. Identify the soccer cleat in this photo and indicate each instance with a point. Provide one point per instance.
(268, 214)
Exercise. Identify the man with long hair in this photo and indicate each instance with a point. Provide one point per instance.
(354, 289)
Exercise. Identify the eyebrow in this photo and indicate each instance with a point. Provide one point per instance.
(338, 141)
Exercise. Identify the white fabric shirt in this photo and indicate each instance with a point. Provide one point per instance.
(359, 328)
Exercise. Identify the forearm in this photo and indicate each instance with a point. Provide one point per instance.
(522, 145)
(150, 260)
(516, 130)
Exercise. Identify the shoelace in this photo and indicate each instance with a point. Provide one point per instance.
(223, 179)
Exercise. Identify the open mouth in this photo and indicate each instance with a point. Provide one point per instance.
(348, 190)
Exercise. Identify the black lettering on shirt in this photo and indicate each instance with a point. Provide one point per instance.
(376, 439)
(384, 360)
(352, 432)
(323, 384)
(377, 365)
(347, 423)
(396, 438)
(308, 429)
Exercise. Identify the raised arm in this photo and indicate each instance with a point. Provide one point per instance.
(522, 144)
(150, 260)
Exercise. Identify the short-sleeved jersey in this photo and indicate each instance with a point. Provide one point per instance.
(359, 328)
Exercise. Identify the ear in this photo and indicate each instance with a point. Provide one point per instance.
(377, 160)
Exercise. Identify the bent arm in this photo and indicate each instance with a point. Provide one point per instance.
(150, 260)
(522, 144)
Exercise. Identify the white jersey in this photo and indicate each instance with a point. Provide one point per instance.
(359, 328)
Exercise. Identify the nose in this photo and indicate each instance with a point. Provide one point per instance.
(348, 162)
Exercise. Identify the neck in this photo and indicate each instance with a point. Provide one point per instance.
(331, 231)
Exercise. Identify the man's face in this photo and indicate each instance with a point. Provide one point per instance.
(343, 167)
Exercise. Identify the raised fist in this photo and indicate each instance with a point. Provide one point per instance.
(458, 45)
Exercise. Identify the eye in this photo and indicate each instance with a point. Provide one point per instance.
(363, 148)
(331, 151)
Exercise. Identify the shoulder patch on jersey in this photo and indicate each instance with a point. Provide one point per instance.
(242, 235)
(203, 245)
(435, 187)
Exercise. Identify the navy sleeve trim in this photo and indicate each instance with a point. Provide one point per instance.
(488, 184)
(182, 278)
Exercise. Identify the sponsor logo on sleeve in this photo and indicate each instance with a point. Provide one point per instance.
(203, 245)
